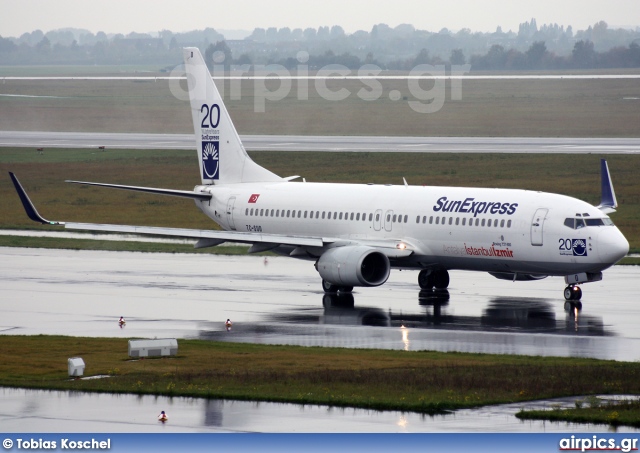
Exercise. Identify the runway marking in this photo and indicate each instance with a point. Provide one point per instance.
(354, 77)
(31, 96)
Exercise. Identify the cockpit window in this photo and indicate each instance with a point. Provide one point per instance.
(577, 223)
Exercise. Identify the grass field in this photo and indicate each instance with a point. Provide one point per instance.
(426, 382)
(529, 108)
(591, 410)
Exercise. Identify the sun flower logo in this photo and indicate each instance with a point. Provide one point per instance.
(579, 247)
(210, 160)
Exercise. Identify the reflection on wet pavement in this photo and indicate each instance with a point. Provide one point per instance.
(52, 411)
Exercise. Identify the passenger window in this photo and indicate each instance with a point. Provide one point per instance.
(483, 222)
(351, 217)
(340, 216)
(418, 219)
(406, 218)
(335, 215)
(305, 214)
(430, 220)
(444, 219)
(450, 220)
(394, 218)
(272, 213)
(437, 220)
(424, 219)
(464, 221)
(358, 216)
(277, 212)
(478, 222)
(502, 223)
(457, 220)
(508, 223)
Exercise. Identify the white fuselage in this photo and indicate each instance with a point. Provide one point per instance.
(494, 230)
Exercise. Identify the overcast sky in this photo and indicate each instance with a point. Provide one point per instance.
(124, 16)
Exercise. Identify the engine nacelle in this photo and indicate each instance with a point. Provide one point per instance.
(354, 266)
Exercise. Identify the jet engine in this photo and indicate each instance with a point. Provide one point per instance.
(354, 266)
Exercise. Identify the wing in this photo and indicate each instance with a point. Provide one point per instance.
(210, 238)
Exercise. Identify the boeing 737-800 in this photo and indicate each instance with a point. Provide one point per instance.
(356, 233)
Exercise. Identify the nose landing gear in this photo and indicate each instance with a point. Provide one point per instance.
(572, 295)
(572, 292)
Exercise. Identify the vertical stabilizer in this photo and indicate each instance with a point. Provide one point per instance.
(222, 158)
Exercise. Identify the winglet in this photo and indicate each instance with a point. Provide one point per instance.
(608, 202)
(30, 209)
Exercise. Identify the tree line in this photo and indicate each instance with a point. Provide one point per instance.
(400, 48)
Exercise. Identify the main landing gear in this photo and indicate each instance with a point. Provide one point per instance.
(330, 288)
(438, 279)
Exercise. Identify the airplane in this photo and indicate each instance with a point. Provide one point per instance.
(356, 233)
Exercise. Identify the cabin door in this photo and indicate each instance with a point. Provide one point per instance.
(537, 225)
(230, 204)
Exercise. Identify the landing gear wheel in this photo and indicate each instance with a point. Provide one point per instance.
(577, 294)
(425, 279)
(345, 289)
(568, 294)
(329, 287)
(441, 279)
(573, 292)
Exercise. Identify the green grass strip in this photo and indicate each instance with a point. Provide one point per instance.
(424, 382)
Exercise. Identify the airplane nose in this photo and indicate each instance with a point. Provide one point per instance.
(612, 245)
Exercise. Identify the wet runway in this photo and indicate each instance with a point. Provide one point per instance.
(83, 293)
(30, 410)
(330, 143)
